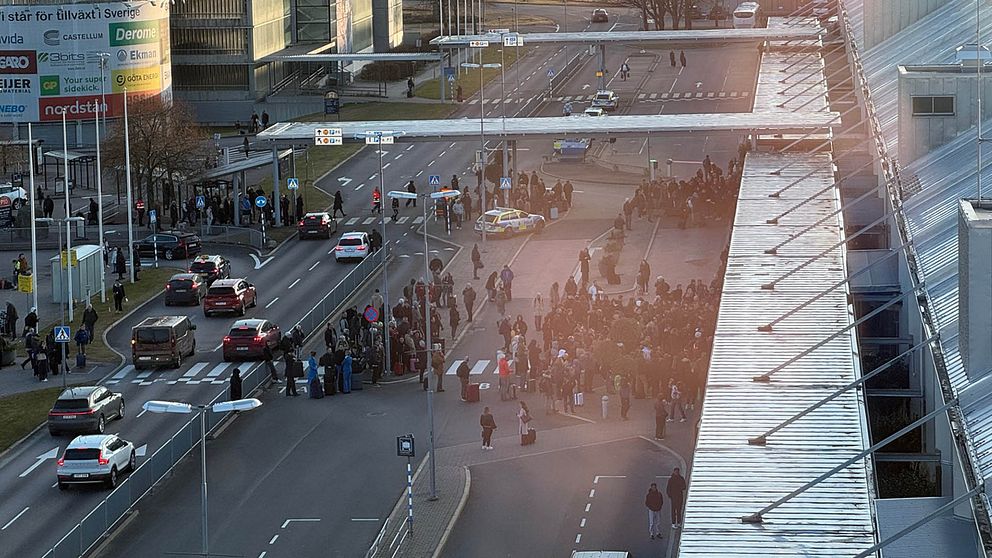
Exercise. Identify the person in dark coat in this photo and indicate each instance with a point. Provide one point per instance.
(299, 207)
(453, 317)
(136, 262)
(330, 336)
(468, 296)
(654, 501)
(120, 265)
(476, 263)
(10, 326)
(89, 319)
(31, 320)
(676, 494)
(119, 296)
(267, 359)
(488, 424)
(48, 207)
(462, 373)
(682, 57)
(338, 205)
(235, 384)
(290, 376)
(330, 371)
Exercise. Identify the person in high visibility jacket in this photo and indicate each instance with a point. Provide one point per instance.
(376, 200)
(139, 207)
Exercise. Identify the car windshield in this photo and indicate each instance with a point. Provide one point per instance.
(81, 454)
(220, 291)
(71, 404)
(744, 14)
(602, 96)
(203, 266)
(153, 335)
(242, 332)
(181, 283)
(350, 242)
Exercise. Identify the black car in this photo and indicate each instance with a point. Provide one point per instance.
(211, 267)
(170, 245)
(85, 409)
(316, 225)
(185, 288)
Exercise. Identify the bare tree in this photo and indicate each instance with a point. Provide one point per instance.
(166, 146)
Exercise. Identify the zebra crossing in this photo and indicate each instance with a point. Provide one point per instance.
(373, 220)
(479, 368)
(194, 376)
(508, 101)
(674, 96)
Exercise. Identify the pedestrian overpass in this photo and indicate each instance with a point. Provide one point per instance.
(691, 37)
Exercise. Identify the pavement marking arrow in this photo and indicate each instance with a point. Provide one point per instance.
(288, 521)
(50, 454)
(141, 451)
(259, 264)
(344, 180)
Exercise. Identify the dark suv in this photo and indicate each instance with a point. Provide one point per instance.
(317, 225)
(171, 245)
(85, 409)
(249, 338)
(229, 295)
(185, 288)
(211, 267)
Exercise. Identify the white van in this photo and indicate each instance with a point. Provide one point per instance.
(747, 15)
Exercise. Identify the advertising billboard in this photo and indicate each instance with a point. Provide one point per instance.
(78, 58)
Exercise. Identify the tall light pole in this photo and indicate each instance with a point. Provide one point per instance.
(34, 231)
(68, 213)
(482, 135)
(99, 200)
(104, 56)
(127, 181)
(441, 195)
(185, 409)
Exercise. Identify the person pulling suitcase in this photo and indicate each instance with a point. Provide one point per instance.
(462, 373)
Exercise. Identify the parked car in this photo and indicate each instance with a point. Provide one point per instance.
(185, 288)
(211, 267)
(606, 100)
(85, 409)
(599, 15)
(17, 195)
(170, 245)
(352, 246)
(95, 459)
(161, 340)
(506, 222)
(248, 339)
(229, 295)
(318, 224)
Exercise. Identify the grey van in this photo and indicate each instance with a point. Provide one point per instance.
(162, 341)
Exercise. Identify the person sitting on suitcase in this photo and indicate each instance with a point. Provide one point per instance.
(462, 373)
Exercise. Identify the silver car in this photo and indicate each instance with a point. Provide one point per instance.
(97, 458)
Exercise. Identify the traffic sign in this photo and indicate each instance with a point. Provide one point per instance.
(293, 183)
(245, 204)
(451, 78)
(261, 201)
(201, 201)
(505, 183)
(324, 132)
(24, 283)
(152, 216)
(328, 140)
(513, 41)
(371, 314)
(62, 334)
(434, 180)
(551, 72)
(478, 44)
(375, 138)
(498, 31)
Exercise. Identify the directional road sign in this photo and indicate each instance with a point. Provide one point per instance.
(62, 334)
(293, 183)
(327, 132)
(327, 140)
(478, 44)
(245, 204)
(201, 201)
(152, 216)
(505, 183)
(513, 41)
(434, 180)
(261, 201)
(375, 138)
(551, 72)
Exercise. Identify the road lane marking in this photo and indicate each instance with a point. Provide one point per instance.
(50, 454)
(273, 302)
(374, 175)
(587, 507)
(195, 369)
(259, 264)
(365, 519)
(479, 367)
(402, 220)
(418, 173)
(369, 221)
(360, 186)
(314, 265)
(288, 521)
(578, 538)
(592, 493)
(452, 145)
(273, 539)
(351, 221)
(442, 153)
(262, 555)
(583, 523)
(431, 163)
(409, 148)
(595, 479)
(16, 517)
(218, 370)
(398, 155)
(386, 165)
(418, 221)
(143, 411)
(454, 367)
(293, 284)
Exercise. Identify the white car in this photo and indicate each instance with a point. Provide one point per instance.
(352, 246)
(17, 196)
(98, 458)
(606, 100)
(506, 222)
(594, 111)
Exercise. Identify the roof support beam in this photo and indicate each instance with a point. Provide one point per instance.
(807, 90)
(774, 220)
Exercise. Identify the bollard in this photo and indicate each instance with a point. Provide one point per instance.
(606, 406)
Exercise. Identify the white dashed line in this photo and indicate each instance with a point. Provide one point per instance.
(442, 153)
(314, 265)
(592, 493)
(398, 155)
(374, 175)
(273, 539)
(293, 284)
(578, 538)
(409, 148)
(360, 186)
(583, 523)
(419, 173)
(431, 163)
(452, 145)
(386, 165)
(9, 523)
(587, 507)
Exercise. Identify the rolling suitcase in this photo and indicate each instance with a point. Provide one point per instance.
(80, 360)
(529, 438)
(579, 399)
(472, 394)
(316, 390)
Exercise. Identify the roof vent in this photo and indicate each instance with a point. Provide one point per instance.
(972, 54)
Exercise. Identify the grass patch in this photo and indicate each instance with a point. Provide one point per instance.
(431, 89)
(21, 413)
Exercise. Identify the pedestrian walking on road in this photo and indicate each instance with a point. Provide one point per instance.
(488, 424)
(395, 204)
(476, 262)
(682, 57)
(676, 494)
(462, 373)
(338, 204)
(468, 296)
(235, 391)
(412, 189)
(671, 57)
(660, 417)
(654, 502)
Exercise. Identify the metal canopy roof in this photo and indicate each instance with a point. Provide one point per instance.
(285, 133)
(721, 36)
(255, 161)
(367, 57)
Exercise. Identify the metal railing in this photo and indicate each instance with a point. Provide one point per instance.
(229, 234)
(108, 513)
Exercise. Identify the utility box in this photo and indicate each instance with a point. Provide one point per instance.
(87, 265)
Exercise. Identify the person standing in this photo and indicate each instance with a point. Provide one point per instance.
(671, 57)
(660, 417)
(462, 373)
(488, 424)
(654, 501)
(120, 264)
(503, 372)
(119, 296)
(89, 319)
(506, 275)
(676, 495)
(346, 365)
(31, 320)
(584, 259)
(10, 325)
(330, 371)
(523, 418)
(476, 263)
(682, 57)
(468, 296)
(338, 204)
(48, 206)
(454, 318)
(437, 364)
(330, 336)
(235, 391)
(538, 310)
(290, 375)
(624, 398)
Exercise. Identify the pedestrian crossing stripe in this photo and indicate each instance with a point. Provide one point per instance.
(477, 369)
(733, 93)
(369, 221)
(402, 220)
(745, 93)
(351, 221)
(654, 95)
(699, 95)
(663, 95)
(473, 101)
(121, 374)
(642, 95)
(676, 95)
(418, 220)
(723, 94)
(709, 95)
(566, 99)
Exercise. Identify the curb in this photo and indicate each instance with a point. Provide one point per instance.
(583, 180)
(456, 515)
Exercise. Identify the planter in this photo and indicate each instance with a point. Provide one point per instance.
(8, 357)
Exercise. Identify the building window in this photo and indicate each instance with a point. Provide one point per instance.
(933, 106)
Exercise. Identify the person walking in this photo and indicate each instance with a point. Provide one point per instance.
(235, 390)
(654, 501)
(31, 320)
(660, 417)
(506, 275)
(412, 189)
(491, 286)
(476, 262)
(119, 296)
(89, 319)
(468, 297)
(41, 366)
(524, 418)
(338, 204)
(269, 365)
(682, 57)
(462, 373)
(488, 424)
(290, 375)
(676, 495)
(671, 57)
(624, 398)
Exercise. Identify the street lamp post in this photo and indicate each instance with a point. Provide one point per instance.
(127, 181)
(34, 230)
(187, 408)
(482, 136)
(441, 195)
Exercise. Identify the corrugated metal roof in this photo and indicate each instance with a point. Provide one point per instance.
(731, 479)
(718, 36)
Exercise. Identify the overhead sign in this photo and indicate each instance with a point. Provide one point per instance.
(505, 183)
(513, 41)
(261, 201)
(478, 44)
(201, 201)
(62, 334)
(498, 31)
(293, 183)
(325, 132)
(327, 140)
(551, 72)
(434, 180)
(77, 58)
(375, 139)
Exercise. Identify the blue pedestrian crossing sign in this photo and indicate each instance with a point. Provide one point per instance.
(261, 201)
(62, 334)
(505, 183)
(434, 180)
(201, 202)
(551, 72)
(245, 204)
(293, 183)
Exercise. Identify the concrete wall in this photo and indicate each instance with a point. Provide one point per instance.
(884, 18)
(387, 24)
(975, 288)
